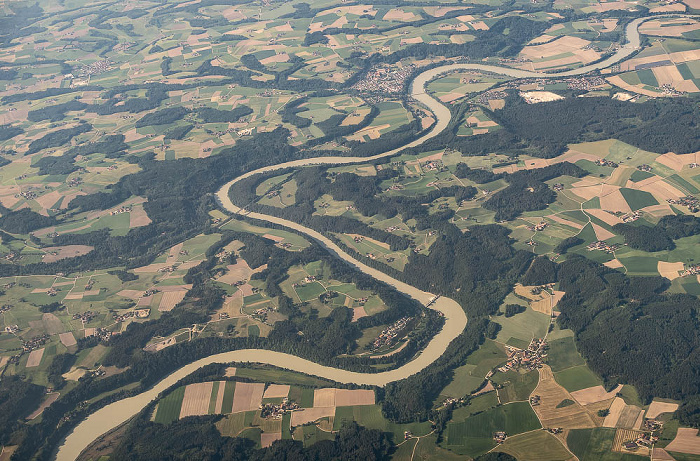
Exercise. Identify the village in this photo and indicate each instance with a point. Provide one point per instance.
(528, 359)
(385, 81)
(389, 335)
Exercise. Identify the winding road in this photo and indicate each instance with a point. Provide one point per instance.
(118, 412)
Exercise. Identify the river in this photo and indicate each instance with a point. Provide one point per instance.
(116, 413)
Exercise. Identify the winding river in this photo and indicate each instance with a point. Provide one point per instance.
(118, 412)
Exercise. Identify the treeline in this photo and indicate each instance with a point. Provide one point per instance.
(23, 221)
(57, 138)
(527, 190)
(9, 132)
(162, 117)
(18, 398)
(661, 236)
(192, 437)
(544, 130)
(55, 113)
(211, 115)
(112, 146)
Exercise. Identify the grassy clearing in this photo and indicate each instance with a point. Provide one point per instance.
(562, 354)
(577, 378)
(596, 445)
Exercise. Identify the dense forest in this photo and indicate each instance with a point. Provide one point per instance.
(544, 130)
(661, 236)
(629, 332)
(198, 438)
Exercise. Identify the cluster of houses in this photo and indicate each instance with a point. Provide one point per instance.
(124, 209)
(558, 187)
(166, 269)
(689, 201)
(277, 410)
(34, 343)
(644, 167)
(28, 194)
(604, 162)
(540, 226)
(529, 359)
(85, 317)
(261, 314)
(97, 67)
(138, 313)
(631, 217)
(487, 96)
(385, 80)
(307, 279)
(102, 334)
(500, 436)
(75, 181)
(12, 329)
(603, 246)
(390, 334)
(693, 269)
(643, 439)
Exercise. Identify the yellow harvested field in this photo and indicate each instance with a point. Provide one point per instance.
(275, 391)
(552, 394)
(351, 397)
(602, 233)
(594, 394)
(268, 438)
(669, 8)
(661, 190)
(247, 396)
(658, 211)
(613, 264)
(230, 372)
(656, 408)
(397, 14)
(131, 294)
(34, 358)
(281, 57)
(3, 361)
(138, 217)
(171, 299)
(586, 192)
(686, 441)
(565, 44)
(54, 254)
(674, 161)
(496, 104)
(614, 201)
(695, 4)
(220, 397)
(358, 312)
(196, 399)
(659, 454)
(238, 272)
(670, 271)
(324, 397)
(565, 222)
(479, 25)
(615, 411)
(607, 218)
(669, 27)
(440, 11)
(309, 415)
(67, 339)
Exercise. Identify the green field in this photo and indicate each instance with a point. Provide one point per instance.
(169, 406)
(474, 435)
(577, 378)
(596, 444)
(562, 354)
